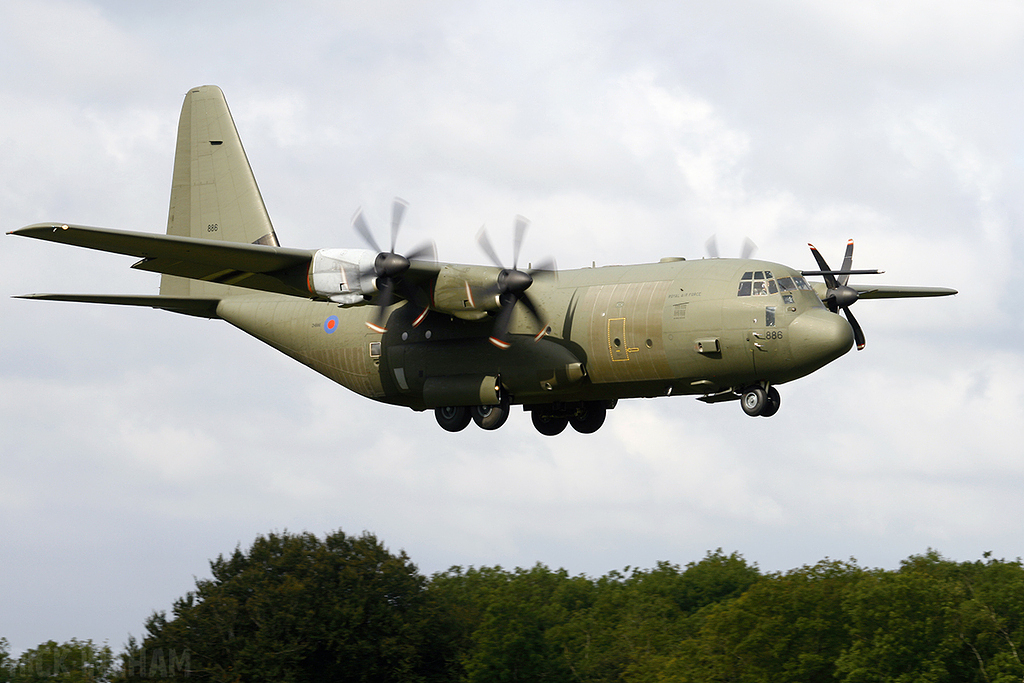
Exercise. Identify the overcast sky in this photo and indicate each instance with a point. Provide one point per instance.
(136, 445)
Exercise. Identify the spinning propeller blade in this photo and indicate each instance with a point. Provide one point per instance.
(389, 266)
(511, 285)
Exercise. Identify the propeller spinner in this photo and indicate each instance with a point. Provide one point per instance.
(389, 266)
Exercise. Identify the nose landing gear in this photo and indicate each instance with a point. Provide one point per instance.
(760, 402)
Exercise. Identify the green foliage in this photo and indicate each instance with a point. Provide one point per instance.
(543, 624)
(295, 608)
(785, 627)
(76, 661)
(936, 620)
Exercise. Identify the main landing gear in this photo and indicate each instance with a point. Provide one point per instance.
(760, 402)
(457, 418)
(586, 417)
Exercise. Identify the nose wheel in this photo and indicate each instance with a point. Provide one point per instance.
(760, 402)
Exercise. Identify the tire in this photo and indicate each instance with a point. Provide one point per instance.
(452, 418)
(773, 403)
(589, 418)
(754, 401)
(548, 424)
(490, 417)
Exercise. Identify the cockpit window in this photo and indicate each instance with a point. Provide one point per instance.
(786, 284)
(757, 283)
(802, 284)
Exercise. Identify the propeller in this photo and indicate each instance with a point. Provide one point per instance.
(839, 294)
(511, 285)
(389, 266)
(711, 246)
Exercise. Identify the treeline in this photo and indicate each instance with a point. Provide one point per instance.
(294, 607)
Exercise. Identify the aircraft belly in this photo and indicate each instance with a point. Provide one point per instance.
(526, 370)
(333, 341)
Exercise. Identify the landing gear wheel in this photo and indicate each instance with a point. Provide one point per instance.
(589, 418)
(490, 417)
(754, 401)
(452, 418)
(548, 424)
(772, 405)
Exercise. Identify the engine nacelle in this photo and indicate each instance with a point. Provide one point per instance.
(345, 276)
(460, 291)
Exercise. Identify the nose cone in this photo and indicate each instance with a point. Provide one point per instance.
(818, 337)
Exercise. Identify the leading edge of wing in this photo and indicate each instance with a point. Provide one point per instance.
(889, 292)
(199, 259)
(202, 308)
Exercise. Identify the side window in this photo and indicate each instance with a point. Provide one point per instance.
(769, 316)
(744, 288)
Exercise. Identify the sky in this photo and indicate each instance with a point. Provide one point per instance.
(137, 445)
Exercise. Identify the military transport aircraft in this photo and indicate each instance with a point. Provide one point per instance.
(469, 341)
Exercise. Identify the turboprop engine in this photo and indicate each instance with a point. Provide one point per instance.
(345, 276)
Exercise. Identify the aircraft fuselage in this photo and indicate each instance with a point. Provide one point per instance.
(676, 327)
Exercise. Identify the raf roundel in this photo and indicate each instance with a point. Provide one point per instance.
(331, 324)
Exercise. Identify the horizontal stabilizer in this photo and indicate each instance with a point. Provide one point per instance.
(253, 266)
(202, 308)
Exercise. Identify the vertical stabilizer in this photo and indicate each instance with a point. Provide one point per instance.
(213, 191)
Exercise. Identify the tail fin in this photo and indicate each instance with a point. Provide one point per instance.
(213, 191)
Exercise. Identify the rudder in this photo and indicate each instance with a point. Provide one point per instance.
(214, 194)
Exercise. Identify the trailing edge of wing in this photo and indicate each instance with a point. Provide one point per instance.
(254, 266)
(887, 292)
(203, 308)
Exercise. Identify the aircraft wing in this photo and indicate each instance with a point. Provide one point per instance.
(202, 308)
(887, 292)
(253, 266)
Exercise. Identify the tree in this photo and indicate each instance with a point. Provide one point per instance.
(76, 661)
(785, 627)
(295, 608)
(510, 620)
(909, 625)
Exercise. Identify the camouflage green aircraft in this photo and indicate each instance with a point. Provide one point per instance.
(469, 341)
